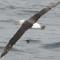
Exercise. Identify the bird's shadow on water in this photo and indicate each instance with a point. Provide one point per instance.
(52, 45)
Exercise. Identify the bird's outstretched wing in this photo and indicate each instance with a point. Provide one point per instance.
(25, 26)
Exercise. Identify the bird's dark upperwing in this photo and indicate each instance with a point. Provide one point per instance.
(25, 26)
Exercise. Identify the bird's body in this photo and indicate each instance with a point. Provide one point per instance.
(35, 25)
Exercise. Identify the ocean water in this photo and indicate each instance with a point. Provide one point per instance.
(44, 44)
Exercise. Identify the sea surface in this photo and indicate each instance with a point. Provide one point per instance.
(44, 44)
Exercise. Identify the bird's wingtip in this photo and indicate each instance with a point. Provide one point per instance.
(0, 56)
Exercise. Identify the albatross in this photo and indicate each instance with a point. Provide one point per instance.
(34, 26)
(25, 26)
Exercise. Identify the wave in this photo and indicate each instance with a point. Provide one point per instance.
(52, 45)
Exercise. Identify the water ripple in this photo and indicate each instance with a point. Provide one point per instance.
(52, 45)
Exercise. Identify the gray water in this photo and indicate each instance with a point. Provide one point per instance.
(44, 44)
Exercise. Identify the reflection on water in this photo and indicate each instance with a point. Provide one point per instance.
(35, 44)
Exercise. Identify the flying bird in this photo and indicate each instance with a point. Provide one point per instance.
(25, 26)
(34, 26)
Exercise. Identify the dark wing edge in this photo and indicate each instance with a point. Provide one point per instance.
(25, 26)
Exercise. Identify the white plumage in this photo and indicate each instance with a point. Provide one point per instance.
(35, 25)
